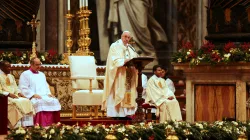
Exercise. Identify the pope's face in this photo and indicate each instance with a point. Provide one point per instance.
(125, 38)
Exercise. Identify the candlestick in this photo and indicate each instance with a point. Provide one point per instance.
(68, 5)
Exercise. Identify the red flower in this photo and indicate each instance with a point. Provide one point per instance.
(188, 45)
(245, 46)
(207, 47)
(18, 53)
(216, 57)
(151, 137)
(229, 46)
(52, 52)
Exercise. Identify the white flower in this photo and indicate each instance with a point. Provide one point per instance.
(179, 60)
(90, 128)
(52, 131)
(169, 126)
(76, 131)
(45, 136)
(18, 131)
(22, 131)
(227, 55)
(235, 123)
(121, 129)
(62, 131)
(43, 58)
(188, 53)
(142, 123)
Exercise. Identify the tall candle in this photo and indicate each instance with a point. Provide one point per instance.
(80, 3)
(87, 3)
(68, 5)
(83, 3)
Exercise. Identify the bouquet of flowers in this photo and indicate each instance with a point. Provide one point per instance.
(209, 53)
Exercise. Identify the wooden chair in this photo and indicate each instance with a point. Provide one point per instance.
(84, 82)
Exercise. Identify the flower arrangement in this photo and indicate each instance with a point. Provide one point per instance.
(23, 57)
(218, 130)
(209, 53)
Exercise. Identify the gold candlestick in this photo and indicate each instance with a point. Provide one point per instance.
(84, 41)
(87, 40)
(69, 41)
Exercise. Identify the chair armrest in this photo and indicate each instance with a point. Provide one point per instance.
(82, 77)
(100, 77)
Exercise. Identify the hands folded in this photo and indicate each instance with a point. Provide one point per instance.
(170, 98)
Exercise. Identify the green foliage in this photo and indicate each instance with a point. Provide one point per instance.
(219, 130)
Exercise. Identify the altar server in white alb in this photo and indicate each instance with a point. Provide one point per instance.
(20, 109)
(159, 94)
(120, 81)
(34, 86)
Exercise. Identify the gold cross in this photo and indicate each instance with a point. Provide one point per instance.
(34, 23)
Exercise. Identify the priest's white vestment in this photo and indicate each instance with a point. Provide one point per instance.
(118, 99)
(20, 110)
(35, 83)
(158, 94)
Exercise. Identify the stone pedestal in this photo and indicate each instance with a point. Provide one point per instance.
(227, 75)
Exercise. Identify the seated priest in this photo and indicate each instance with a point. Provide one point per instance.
(162, 97)
(34, 86)
(20, 109)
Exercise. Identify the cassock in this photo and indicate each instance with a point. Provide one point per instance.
(120, 82)
(158, 94)
(20, 110)
(47, 109)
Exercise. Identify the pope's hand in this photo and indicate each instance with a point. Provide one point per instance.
(11, 95)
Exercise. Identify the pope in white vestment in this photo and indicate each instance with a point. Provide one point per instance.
(34, 86)
(162, 97)
(20, 109)
(120, 81)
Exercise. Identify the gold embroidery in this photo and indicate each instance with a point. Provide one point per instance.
(127, 96)
(7, 81)
(159, 84)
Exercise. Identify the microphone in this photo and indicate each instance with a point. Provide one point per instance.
(132, 48)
